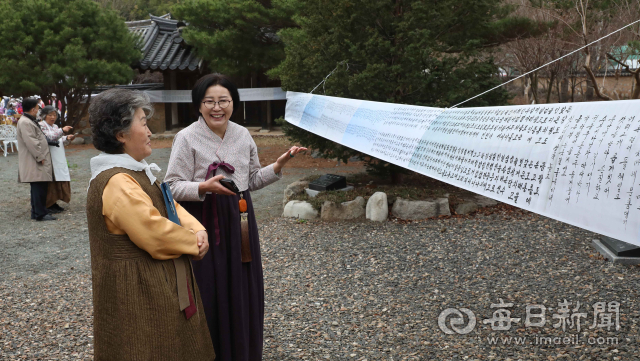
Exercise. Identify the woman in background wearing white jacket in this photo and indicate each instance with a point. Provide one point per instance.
(60, 188)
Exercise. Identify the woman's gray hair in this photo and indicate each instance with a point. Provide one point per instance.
(111, 113)
(48, 110)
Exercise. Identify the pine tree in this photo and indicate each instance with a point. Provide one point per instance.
(137, 9)
(67, 47)
(237, 37)
(416, 52)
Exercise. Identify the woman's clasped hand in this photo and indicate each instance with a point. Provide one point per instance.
(203, 245)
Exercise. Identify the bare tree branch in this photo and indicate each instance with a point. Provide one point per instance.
(611, 57)
(636, 76)
(595, 84)
(547, 12)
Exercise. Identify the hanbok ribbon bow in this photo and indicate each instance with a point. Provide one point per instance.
(211, 172)
(214, 168)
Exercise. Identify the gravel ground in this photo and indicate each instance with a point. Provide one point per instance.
(340, 291)
(363, 291)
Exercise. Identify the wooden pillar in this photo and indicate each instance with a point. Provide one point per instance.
(269, 115)
(168, 120)
(175, 120)
(264, 111)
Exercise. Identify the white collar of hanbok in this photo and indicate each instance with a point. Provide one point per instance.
(105, 161)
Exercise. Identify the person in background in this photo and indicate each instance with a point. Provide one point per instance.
(230, 276)
(55, 102)
(11, 110)
(146, 305)
(60, 188)
(34, 160)
(40, 102)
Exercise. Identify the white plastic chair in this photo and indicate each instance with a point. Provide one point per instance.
(8, 136)
(4, 134)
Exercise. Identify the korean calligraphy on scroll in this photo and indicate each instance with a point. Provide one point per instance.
(576, 162)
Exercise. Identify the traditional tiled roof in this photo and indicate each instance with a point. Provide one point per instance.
(162, 45)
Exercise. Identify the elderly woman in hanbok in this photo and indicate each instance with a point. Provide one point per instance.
(60, 188)
(146, 305)
(230, 276)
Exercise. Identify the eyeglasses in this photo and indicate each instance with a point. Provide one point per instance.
(210, 104)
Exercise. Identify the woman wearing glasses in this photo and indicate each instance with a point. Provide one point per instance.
(230, 275)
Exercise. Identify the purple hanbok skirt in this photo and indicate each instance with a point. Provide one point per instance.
(232, 292)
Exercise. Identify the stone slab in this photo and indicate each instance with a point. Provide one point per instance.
(608, 254)
(312, 193)
(328, 182)
(619, 248)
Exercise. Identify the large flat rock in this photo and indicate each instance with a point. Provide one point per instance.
(300, 209)
(414, 210)
(293, 190)
(343, 211)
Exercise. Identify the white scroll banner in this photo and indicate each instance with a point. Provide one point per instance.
(246, 95)
(574, 162)
(261, 94)
(169, 96)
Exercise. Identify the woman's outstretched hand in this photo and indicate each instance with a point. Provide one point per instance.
(203, 245)
(213, 185)
(277, 166)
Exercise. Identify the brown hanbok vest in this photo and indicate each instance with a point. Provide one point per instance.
(136, 311)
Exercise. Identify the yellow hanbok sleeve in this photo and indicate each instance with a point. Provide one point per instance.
(187, 220)
(127, 209)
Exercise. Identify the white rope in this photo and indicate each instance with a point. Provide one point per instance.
(551, 62)
(326, 77)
